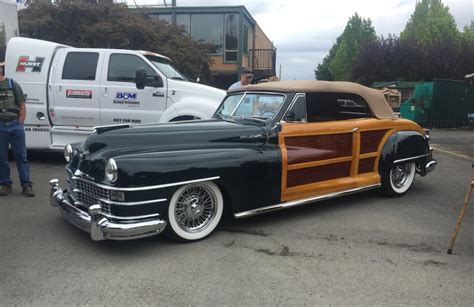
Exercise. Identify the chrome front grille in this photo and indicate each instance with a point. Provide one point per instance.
(86, 193)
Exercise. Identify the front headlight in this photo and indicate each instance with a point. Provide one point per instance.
(111, 171)
(68, 152)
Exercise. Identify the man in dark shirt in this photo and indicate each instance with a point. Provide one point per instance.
(12, 133)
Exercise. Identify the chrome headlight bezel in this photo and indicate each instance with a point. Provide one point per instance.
(111, 171)
(68, 153)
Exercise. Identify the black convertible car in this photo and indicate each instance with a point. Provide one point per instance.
(268, 147)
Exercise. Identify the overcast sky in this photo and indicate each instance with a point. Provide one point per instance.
(304, 30)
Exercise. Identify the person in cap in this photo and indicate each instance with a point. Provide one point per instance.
(12, 134)
(246, 76)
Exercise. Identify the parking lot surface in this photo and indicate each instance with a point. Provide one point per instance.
(363, 249)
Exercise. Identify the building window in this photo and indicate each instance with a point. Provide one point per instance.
(231, 37)
(246, 40)
(80, 66)
(184, 20)
(209, 28)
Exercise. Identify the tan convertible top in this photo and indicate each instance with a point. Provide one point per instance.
(374, 98)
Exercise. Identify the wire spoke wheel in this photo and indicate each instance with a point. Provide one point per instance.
(400, 174)
(400, 177)
(195, 210)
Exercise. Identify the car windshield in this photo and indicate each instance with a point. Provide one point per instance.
(254, 105)
(166, 67)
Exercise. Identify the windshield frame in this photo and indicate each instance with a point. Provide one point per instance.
(165, 61)
(218, 115)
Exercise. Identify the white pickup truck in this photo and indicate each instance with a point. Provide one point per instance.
(70, 90)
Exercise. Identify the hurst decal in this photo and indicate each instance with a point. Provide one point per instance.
(127, 98)
(82, 94)
(25, 64)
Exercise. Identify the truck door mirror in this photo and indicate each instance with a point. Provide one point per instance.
(140, 79)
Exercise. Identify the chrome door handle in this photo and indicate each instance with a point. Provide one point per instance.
(158, 94)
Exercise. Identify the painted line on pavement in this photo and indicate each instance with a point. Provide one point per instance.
(452, 153)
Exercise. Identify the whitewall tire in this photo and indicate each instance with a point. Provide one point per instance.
(194, 211)
(399, 179)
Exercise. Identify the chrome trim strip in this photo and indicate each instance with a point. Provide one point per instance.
(133, 203)
(160, 186)
(304, 201)
(411, 158)
(138, 217)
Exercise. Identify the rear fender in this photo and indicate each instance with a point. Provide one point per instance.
(405, 146)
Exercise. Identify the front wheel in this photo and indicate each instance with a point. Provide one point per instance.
(195, 211)
(398, 180)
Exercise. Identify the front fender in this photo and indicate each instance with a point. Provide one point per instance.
(194, 107)
(249, 176)
(405, 146)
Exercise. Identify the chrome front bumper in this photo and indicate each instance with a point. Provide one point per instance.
(100, 227)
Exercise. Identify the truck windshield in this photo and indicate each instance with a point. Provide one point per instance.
(166, 67)
(257, 105)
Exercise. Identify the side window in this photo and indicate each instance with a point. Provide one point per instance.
(323, 107)
(297, 112)
(80, 66)
(123, 67)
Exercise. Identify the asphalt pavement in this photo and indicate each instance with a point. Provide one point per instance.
(363, 249)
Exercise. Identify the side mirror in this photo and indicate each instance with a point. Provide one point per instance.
(277, 128)
(140, 79)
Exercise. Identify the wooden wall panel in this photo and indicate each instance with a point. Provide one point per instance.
(366, 165)
(370, 140)
(303, 149)
(319, 173)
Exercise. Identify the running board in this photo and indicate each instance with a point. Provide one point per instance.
(304, 201)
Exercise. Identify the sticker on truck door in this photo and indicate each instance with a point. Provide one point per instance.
(27, 65)
(83, 94)
(127, 98)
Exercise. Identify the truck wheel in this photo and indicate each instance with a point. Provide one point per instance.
(397, 180)
(194, 211)
(184, 117)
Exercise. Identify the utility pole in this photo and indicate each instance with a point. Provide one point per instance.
(279, 74)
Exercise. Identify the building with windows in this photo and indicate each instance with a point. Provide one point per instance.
(239, 39)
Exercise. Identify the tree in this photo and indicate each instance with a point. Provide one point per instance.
(430, 23)
(102, 24)
(337, 65)
(468, 34)
(358, 32)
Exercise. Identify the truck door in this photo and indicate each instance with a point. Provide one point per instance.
(74, 88)
(121, 101)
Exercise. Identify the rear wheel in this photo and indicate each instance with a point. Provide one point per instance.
(194, 212)
(398, 180)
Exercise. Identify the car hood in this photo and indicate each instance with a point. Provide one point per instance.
(142, 139)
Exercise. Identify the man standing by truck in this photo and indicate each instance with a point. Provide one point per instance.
(12, 133)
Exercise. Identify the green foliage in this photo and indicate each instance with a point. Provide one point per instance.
(430, 23)
(322, 71)
(337, 65)
(468, 34)
(84, 23)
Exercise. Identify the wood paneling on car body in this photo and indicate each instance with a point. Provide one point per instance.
(322, 158)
